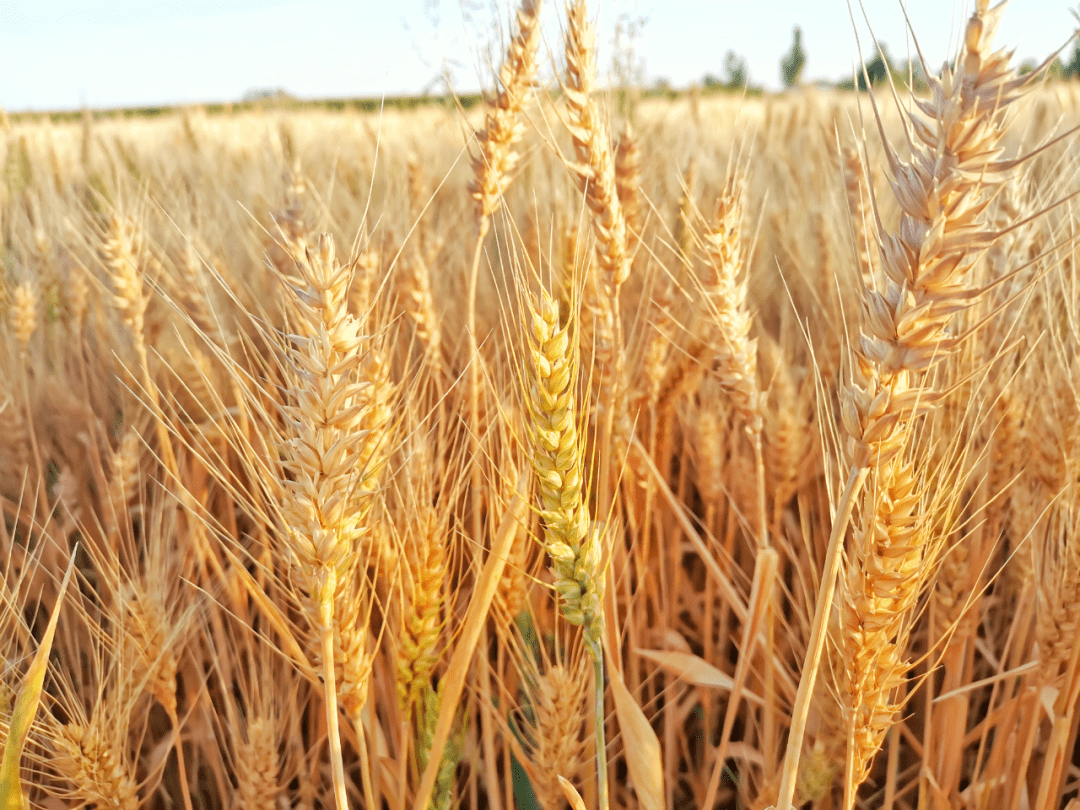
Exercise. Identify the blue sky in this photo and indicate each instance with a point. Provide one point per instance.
(60, 54)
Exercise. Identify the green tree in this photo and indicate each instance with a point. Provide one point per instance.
(1071, 69)
(877, 70)
(913, 76)
(793, 62)
(735, 73)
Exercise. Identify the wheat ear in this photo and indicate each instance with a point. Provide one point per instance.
(907, 329)
(628, 181)
(24, 315)
(560, 697)
(123, 252)
(594, 171)
(324, 511)
(493, 167)
(573, 545)
(857, 185)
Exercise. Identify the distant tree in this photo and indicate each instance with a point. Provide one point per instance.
(1071, 68)
(267, 95)
(910, 74)
(627, 64)
(1027, 66)
(661, 87)
(793, 62)
(736, 74)
(877, 70)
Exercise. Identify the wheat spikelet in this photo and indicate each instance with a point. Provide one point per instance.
(878, 593)
(927, 263)
(952, 591)
(368, 268)
(69, 499)
(376, 403)
(291, 218)
(326, 454)
(123, 486)
(788, 431)
(443, 794)
(513, 593)
(189, 291)
(712, 429)
(654, 360)
(15, 447)
(78, 298)
(353, 656)
(684, 214)
(123, 248)
(322, 505)
(420, 307)
(418, 193)
(1058, 617)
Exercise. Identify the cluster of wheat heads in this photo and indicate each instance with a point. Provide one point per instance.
(701, 453)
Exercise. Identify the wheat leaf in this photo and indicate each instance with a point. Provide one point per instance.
(643, 757)
(11, 797)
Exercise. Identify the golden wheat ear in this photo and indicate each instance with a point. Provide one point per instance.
(25, 707)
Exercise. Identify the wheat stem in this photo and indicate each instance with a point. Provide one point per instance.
(325, 605)
(599, 720)
(816, 646)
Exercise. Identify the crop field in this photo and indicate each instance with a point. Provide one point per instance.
(577, 449)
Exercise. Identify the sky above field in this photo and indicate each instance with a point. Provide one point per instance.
(64, 54)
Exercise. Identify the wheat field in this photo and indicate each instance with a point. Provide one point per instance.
(578, 449)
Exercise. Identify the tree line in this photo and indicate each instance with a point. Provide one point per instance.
(878, 69)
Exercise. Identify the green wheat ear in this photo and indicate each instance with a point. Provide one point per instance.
(11, 796)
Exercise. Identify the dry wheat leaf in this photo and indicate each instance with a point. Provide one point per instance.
(454, 679)
(571, 794)
(693, 669)
(643, 757)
